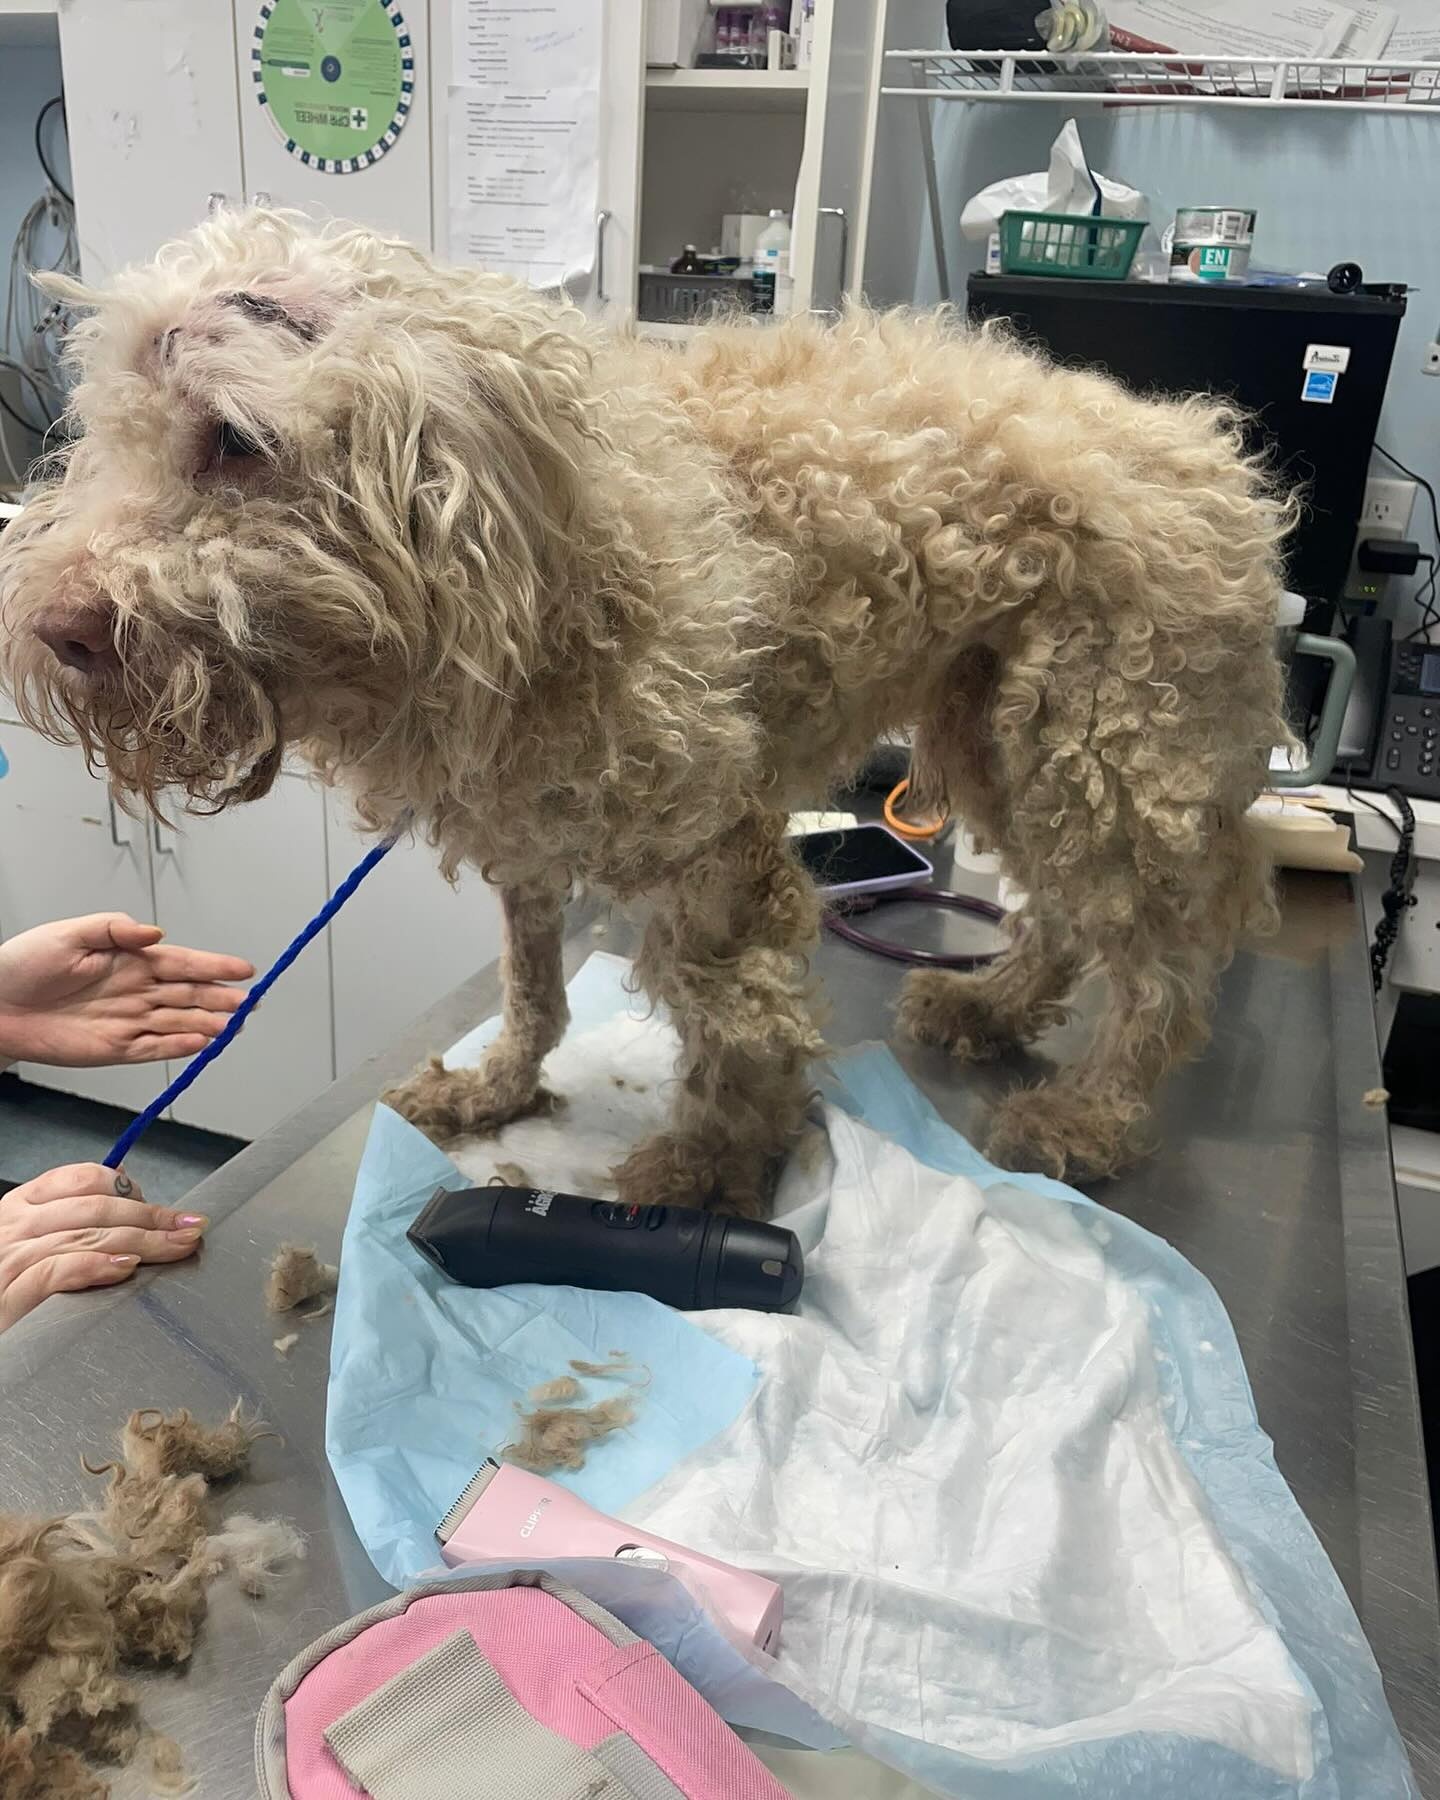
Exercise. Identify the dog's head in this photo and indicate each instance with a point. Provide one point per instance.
(314, 479)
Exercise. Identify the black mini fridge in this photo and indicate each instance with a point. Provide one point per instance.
(1260, 346)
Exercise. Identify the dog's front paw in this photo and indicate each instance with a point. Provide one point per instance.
(951, 1012)
(450, 1104)
(672, 1170)
(1054, 1130)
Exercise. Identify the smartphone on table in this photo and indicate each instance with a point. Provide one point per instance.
(860, 859)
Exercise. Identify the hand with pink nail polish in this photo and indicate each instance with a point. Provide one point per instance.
(82, 1226)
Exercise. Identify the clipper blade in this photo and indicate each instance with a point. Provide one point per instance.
(474, 1488)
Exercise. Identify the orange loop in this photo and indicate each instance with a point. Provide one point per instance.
(901, 827)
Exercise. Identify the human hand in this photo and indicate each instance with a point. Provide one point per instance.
(79, 1227)
(81, 993)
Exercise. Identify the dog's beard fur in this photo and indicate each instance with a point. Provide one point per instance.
(173, 717)
(190, 705)
(185, 720)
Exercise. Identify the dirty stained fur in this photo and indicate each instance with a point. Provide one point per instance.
(603, 611)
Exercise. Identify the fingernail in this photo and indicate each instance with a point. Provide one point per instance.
(198, 1220)
(124, 1262)
(186, 1237)
(124, 1186)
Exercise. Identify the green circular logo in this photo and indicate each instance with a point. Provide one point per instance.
(337, 77)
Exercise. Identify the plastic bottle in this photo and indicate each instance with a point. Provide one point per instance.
(771, 285)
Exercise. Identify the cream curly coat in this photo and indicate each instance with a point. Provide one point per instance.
(604, 611)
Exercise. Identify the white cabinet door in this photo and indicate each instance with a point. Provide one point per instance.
(608, 292)
(65, 850)
(827, 255)
(246, 881)
(403, 942)
(154, 121)
(325, 50)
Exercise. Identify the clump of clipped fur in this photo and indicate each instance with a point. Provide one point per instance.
(297, 1275)
(561, 1391)
(592, 609)
(619, 1365)
(33, 1769)
(85, 1598)
(558, 1437)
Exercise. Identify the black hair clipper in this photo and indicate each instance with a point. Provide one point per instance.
(491, 1236)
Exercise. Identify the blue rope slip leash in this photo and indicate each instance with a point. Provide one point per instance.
(142, 1122)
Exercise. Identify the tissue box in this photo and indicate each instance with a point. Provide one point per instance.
(676, 31)
(739, 232)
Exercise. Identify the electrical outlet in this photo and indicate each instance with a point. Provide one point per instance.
(1389, 503)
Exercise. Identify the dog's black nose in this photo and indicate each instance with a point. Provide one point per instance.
(83, 641)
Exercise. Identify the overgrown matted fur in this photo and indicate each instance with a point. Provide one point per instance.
(604, 610)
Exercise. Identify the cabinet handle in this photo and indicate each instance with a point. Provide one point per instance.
(602, 219)
(838, 212)
(162, 845)
(119, 842)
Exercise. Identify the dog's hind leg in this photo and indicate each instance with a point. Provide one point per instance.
(1012, 1001)
(1022, 993)
(725, 954)
(1084, 1122)
(1162, 943)
(1124, 801)
(447, 1104)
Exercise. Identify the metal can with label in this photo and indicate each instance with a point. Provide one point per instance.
(1212, 243)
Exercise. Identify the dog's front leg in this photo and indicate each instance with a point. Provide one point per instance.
(725, 954)
(447, 1104)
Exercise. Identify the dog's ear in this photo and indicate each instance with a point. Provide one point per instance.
(469, 434)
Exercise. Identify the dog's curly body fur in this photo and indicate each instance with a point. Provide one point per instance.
(602, 610)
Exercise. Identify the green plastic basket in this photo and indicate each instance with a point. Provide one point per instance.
(1038, 243)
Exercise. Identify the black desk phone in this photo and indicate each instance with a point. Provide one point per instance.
(1391, 736)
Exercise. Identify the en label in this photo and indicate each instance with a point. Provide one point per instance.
(1320, 385)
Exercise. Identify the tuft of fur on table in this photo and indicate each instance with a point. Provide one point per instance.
(297, 1275)
(86, 1598)
(590, 608)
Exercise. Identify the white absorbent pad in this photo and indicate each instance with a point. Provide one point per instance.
(1003, 1460)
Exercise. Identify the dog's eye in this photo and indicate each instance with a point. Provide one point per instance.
(231, 442)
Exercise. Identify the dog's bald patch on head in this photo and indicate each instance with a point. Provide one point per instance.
(269, 311)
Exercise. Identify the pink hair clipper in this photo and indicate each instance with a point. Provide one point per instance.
(507, 1514)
